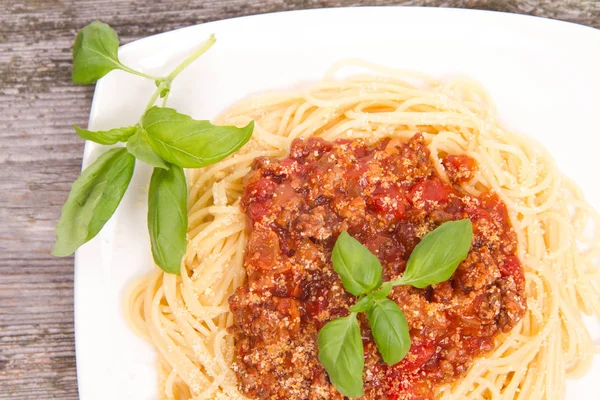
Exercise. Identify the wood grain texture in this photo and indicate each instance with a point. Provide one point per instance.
(40, 156)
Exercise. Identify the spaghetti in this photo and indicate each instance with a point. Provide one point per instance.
(186, 316)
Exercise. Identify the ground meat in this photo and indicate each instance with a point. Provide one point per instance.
(387, 196)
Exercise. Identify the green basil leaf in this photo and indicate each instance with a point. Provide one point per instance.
(390, 330)
(93, 199)
(361, 305)
(106, 137)
(342, 354)
(438, 254)
(383, 291)
(190, 143)
(138, 146)
(167, 217)
(358, 268)
(95, 53)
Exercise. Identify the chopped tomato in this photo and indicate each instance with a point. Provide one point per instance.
(512, 267)
(390, 202)
(429, 194)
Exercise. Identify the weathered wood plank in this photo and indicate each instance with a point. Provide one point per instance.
(40, 156)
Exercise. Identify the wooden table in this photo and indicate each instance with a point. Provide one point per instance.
(40, 156)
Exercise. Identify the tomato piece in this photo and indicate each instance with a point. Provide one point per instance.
(416, 357)
(460, 168)
(390, 202)
(512, 267)
(427, 194)
(260, 190)
(403, 380)
(256, 211)
(491, 202)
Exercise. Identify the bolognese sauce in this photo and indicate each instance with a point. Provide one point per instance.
(388, 196)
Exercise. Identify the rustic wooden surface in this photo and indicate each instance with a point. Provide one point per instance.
(40, 156)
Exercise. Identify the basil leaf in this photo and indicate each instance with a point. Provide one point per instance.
(383, 291)
(361, 305)
(390, 330)
(93, 199)
(342, 354)
(106, 137)
(95, 53)
(438, 254)
(189, 143)
(167, 217)
(138, 146)
(358, 268)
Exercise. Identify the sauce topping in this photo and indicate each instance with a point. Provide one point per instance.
(387, 196)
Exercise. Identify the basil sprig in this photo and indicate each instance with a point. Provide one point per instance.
(163, 138)
(433, 260)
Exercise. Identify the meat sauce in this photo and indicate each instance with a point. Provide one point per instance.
(388, 196)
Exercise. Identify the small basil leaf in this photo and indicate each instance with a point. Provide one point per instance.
(358, 268)
(190, 143)
(438, 254)
(95, 53)
(93, 199)
(341, 352)
(383, 291)
(138, 146)
(361, 305)
(106, 137)
(390, 330)
(167, 217)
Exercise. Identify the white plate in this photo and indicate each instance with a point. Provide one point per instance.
(544, 76)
